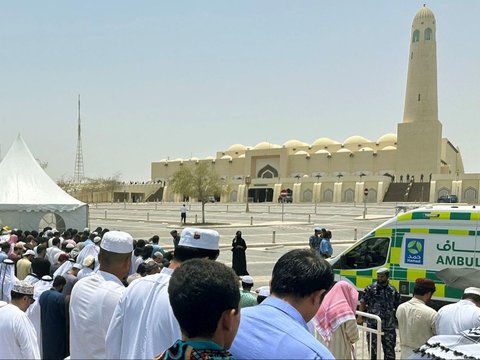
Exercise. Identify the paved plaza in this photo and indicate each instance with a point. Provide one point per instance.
(266, 235)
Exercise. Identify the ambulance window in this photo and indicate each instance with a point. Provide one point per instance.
(368, 254)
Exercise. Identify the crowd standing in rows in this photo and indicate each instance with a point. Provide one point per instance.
(102, 294)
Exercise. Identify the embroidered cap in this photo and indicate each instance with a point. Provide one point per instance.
(199, 238)
(23, 287)
(118, 242)
(247, 279)
(472, 290)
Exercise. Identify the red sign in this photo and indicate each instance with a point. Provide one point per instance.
(283, 193)
(365, 192)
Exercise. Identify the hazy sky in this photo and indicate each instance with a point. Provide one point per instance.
(177, 79)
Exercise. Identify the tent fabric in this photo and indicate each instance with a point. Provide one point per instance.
(27, 193)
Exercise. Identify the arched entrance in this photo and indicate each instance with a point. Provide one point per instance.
(260, 194)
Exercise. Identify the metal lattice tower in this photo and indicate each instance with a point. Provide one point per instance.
(78, 174)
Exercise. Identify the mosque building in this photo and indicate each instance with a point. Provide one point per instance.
(416, 164)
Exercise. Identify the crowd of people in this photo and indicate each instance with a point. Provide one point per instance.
(101, 294)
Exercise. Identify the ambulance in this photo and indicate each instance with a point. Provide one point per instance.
(416, 244)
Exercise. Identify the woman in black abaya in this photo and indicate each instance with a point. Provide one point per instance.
(239, 260)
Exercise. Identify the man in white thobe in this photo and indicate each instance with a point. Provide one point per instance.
(18, 339)
(463, 315)
(143, 324)
(416, 320)
(94, 297)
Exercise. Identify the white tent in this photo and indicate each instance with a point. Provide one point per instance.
(28, 194)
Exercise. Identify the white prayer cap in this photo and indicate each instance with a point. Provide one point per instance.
(118, 242)
(158, 254)
(472, 290)
(247, 279)
(383, 270)
(96, 239)
(88, 261)
(264, 291)
(47, 278)
(23, 287)
(29, 252)
(199, 238)
(78, 266)
(69, 246)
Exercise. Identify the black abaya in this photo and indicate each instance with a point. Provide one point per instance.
(239, 260)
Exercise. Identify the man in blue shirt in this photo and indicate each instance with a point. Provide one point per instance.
(277, 328)
(326, 249)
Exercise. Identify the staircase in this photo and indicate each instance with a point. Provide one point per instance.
(156, 196)
(408, 192)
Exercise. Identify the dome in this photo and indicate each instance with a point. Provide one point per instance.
(387, 138)
(209, 158)
(344, 151)
(163, 160)
(301, 152)
(324, 141)
(226, 157)
(294, 144)
(178, 159)
(356, 139)
(389, 147)
(265, 145)
(194, 159)
(366, 148)
(237, 147)
(424, 13)
(241, 156)
(322, 151)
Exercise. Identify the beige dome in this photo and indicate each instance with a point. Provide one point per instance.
(226, 157)
(265, 145)
(322, 151)
(356, 140)
(241, 156)
(301, 152)
(387, 138)
(294, 144)
(209, 158)
(389, 147)
(324, 141)
(178, 159)
(163, 160)
(237, 147)
(344, 151)
(366, 148)
(424, 13)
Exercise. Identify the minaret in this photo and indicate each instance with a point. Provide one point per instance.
(419, 137)
(78, 173)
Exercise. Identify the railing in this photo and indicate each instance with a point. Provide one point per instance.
(361, 349)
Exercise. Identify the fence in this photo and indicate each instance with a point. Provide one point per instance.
(362, 346)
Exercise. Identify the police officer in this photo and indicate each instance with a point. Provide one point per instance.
(381, 299)
(315, 240)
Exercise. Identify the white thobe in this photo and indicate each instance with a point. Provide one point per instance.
(86, 271)
(92, 303)
(416, 324)
(143, 324)
(18, 339)
(33, 312)
(51, 252)
(453, 318)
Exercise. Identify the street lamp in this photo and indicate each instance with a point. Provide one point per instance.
(248, 181)
(318, 176)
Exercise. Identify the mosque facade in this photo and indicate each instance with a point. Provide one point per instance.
(392, 166)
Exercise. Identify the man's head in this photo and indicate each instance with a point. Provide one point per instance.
(41, 251)
(59, 283)
(473, 294)
(157, 257)
(302, 278)
(317, 230)
(56, 241)
(197, 243)
(22, 295)
(382, 276)
(263, 293)
(29, 254)
(155, 239)
(151, 267)
(424, 288)
(247, 282)
(5, 246)
(204, 296)
(174, 233)
(75, 269)
(115, 253)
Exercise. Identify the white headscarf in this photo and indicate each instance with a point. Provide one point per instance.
(7, 280)
(86, 251)
(63, 269)
(32, 279)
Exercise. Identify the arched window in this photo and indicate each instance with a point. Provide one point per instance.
(233, 196)
(416, 36)
(349, 196)
(443, 192)
(307, 195)
(372, 195)
(267, 172)
(328, 195)
(470, 195)
(428, 34)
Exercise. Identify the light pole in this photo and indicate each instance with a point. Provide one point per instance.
(365, 194)
(248, 181)
(318, 176)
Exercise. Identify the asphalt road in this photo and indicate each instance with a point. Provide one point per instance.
(267, 236)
